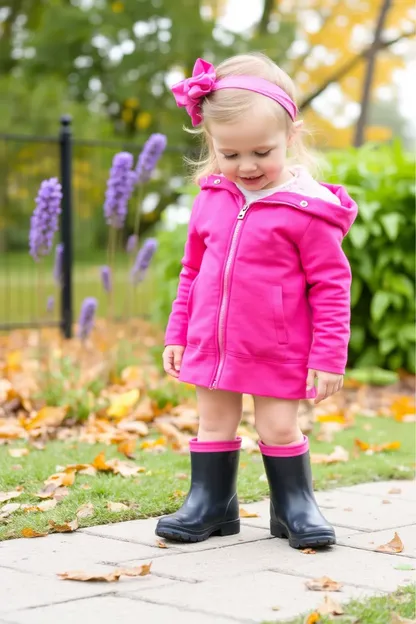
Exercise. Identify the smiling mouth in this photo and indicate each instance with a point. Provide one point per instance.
(252, 177)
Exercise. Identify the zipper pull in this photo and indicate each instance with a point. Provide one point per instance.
(243, 211)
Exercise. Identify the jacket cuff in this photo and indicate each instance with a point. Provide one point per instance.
(326, 366)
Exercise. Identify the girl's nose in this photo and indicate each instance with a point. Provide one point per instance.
(247, 166)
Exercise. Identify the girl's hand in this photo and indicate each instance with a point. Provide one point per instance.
(172, 359)
(328, 384)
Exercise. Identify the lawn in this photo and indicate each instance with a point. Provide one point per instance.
(161, 487)
(24, 290)
(401, 603)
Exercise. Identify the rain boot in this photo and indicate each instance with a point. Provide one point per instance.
(294, 513)
(211, 506)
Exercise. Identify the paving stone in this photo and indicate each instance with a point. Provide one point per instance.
(143, 532)
(263, 520)
(348, 565)
(111, 609)
(370, 541)
(60, 552)
(250, 597)
(382, 488)
(365, 513)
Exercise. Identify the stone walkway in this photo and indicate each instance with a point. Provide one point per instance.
(245, 578)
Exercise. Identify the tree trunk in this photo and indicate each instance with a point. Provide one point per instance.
(265, 18)
(369, 74)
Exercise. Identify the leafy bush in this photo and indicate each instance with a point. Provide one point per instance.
(380, 248)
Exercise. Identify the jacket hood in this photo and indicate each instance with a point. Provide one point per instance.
(341, 212)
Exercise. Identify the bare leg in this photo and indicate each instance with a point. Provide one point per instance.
(276, 421)
(219, 414)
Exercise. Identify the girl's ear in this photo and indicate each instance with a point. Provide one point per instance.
(297, 126)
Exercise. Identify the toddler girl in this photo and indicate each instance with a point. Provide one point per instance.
(263, 303)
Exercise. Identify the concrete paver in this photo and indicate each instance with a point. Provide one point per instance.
(222, 580)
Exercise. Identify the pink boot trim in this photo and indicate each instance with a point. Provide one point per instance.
(214, 447)
(289, 450)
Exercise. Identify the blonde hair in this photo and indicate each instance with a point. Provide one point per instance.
(225, 105)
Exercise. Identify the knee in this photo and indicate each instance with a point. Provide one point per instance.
(275, 433)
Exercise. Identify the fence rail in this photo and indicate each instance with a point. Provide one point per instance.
(82, 166)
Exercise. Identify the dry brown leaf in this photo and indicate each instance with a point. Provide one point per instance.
(9, 509)
(85, 511)
(117, 507)
(78, 575)
(134, 426)
(161, 544)
(330, 607)
(76, 468)
(85, 486)
(398, 619)
(142, 570)
(377, 448)
(127, 448)
(124, 469)
(67, 527)
(60, 493)
(18, 452)
(394, 546)
(308, 551)
(394, 491)
(47, 417)
(46, 505)
(323, 584)
(177, 439)
(182, 475)
(61, 479)
(6, 496)
(248, 514)
(385, 501)
(28, 532)
(100, 463)
(340, 454)
(48, 491)
(90, 471)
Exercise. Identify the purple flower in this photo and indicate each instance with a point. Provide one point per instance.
(151, 152)
(44, 221)
(106, 278)
(50, 304)
(59, 260)
(132, 243)
(119, 189)
(143, 259)
(86, 317)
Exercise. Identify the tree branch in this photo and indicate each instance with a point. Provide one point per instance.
(347, 67)
(265, 18)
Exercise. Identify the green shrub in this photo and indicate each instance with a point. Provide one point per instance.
(380, 248)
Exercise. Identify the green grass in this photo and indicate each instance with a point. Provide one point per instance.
(159, 492)
(23, 296)
(373, 610)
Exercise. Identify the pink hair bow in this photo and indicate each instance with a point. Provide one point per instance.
(189, 92)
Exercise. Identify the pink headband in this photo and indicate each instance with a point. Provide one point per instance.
(189, 92)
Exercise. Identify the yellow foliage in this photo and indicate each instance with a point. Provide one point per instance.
(143, 120)
(117, 7)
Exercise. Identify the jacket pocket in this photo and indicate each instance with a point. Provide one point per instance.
(190, 297)
(279, 315)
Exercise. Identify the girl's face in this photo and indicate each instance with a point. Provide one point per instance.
(251, 152)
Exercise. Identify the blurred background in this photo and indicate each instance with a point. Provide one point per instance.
(110, 65)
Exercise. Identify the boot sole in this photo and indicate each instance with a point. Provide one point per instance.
(317, 540)
(180, 535)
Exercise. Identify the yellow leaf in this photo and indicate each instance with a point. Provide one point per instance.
(46, 505)
(18, 452)
(143, 120)
(100, 463)
(117, 7)
(28, 532)
(13, 361)
(394, 546)
(78, 575)
(160, 544)
(122, 404)
(127, 448)
(131, 102)
(313, 618)
(248, 514)
(47, 417)
(67, 527)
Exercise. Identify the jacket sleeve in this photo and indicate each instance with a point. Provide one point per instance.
(328, 275)
(177, 327)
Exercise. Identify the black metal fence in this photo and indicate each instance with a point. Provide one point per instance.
(82, 167)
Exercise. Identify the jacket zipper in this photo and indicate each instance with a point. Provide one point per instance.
(224, 299)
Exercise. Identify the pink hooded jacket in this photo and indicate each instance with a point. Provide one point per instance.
(264, 293)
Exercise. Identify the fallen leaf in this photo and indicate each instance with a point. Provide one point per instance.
(78, 575)
(85, 486)
(60, 493)
(182, 475)
(46, 505)
(398, 619)
(100, 463)
(308, 551)
(142, 570)
(340, 454)
(124, 469)
(394, 490)
(48, 491)
(8, 509)
(47, 417)
(323, 584)
(122, 404)
(67, 527)
(61, 478)
(178, 493)
(276, 608)
(313, 618)
(404, 409)
(330, 607)
(18, 452)
(385, 502)
(85, 511)
(16, 467)
(377, 448)
(160, 544)
(117, 507)
(127, 448)
(5, 496)
(28, 532)
(248, 514)
(394, 546)
(134, 426)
